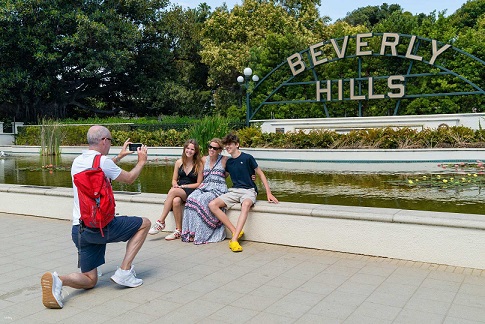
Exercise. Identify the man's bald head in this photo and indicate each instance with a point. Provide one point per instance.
(96, 133)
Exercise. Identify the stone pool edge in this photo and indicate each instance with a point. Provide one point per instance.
(431, 237)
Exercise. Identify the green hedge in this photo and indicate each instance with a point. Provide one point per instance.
(382, 138)
(378, 138)
(75, 135)
(203, 130)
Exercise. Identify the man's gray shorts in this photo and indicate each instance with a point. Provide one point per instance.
(238, 195)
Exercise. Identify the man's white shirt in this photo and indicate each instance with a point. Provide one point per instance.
(83, 162)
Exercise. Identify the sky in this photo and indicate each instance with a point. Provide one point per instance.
(339, 8)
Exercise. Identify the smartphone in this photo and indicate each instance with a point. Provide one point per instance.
(134, 146)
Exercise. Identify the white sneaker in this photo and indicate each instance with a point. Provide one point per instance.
(51, 290)
(174, 236)
(126, 278)
(156, 228)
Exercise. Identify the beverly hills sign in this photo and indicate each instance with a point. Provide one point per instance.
(309, 71)
(388, 45)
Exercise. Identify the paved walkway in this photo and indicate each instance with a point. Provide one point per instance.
(266, 283)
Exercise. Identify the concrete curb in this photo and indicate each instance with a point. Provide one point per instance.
(445, 238)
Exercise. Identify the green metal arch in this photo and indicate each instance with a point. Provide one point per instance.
(478, 90)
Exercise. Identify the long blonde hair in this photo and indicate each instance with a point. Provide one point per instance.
(197, 156)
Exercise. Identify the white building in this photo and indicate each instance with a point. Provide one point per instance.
(345, 124)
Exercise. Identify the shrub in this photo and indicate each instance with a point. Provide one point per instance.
(461, 136)
(275, 140)
(406, 138)
(250, 137)
(427, 138)
(299, 139)
(28, 135)
(323, 138)
(209, 127)
(73, 135)
(351, 140)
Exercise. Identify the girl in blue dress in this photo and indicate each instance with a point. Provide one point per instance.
(199, 223)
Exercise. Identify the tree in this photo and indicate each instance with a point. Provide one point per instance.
(468, 14)
(229, 38)
(185, 91)
(68, 56)
(371, 15)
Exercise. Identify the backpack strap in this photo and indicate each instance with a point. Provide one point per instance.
(96, 161)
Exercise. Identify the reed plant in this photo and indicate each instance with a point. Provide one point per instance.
(51, 135)
(208, 128)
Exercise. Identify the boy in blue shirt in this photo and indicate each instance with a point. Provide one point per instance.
(241, 167)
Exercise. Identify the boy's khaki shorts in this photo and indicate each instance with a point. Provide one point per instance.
(238, 195)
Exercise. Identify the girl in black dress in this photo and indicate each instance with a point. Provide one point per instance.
(187, 176)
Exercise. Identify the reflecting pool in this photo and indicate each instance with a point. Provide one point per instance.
(454, 190)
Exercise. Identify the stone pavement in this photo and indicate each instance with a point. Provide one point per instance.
(184, 283)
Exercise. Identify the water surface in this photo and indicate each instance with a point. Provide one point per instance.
(388, 190)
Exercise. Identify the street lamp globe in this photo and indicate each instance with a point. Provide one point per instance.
(244, 81)
(248, 71)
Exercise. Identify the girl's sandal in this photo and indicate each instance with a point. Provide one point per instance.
(235, 247)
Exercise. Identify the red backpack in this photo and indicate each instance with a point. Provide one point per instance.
(96, 199)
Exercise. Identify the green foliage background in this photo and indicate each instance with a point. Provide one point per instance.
(207, 128)
(151, 58)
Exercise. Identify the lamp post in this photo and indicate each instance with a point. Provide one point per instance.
(244, 81)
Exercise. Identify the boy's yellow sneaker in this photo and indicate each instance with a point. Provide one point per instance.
(235, 247)
(240, 234)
